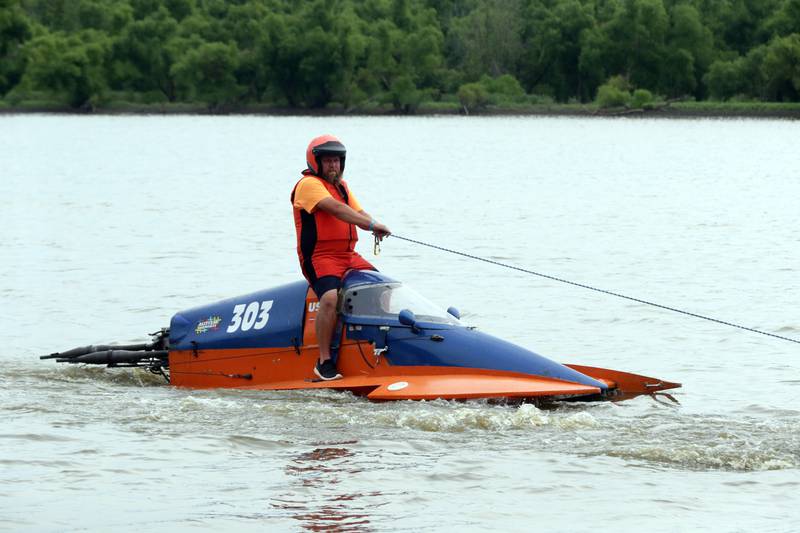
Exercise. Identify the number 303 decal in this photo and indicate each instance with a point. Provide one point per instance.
(250, 316)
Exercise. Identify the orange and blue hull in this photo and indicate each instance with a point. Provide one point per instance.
(267, 340)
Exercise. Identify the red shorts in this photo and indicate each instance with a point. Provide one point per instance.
(333, 265)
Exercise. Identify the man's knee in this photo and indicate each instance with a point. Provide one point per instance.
(327, 304)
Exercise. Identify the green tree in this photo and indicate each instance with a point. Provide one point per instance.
(180, 9)
(613, 93)
(785, 20)
(593, 65)
(781, 68)
(421, 54)
(316, 56)
(104, 15)
(641, 99)
(405, 95)
(473, 96)
(753, 72)
(552, 47)
(307, 67)
(15, 29)
(71, 65)
(689, 52)
(631, 42)
(382, 62)
(488, 40)
(736, 24)
(637, 33)
(742, 76)
(390, 57)
(319, 53)
(53, 14)
(142, 59)
(502, 90)
(73, 15)
(725, 79)
(207, 73)
(143, 8)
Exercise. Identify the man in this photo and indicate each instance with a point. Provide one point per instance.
(325, 216)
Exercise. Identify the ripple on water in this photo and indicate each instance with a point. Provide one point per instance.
(642, 432)
(35, 437)
(645, 433)
(135, 377)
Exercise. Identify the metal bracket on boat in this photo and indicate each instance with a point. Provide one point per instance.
(231, 376)
(239, 376)
(381, 346)
(159, 371)
(658, 395)
(194, 349)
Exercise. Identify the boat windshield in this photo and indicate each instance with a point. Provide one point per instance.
(386, 300)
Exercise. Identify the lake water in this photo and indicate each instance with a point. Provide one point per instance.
(112, 224)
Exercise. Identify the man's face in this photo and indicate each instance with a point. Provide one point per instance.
(331, 168)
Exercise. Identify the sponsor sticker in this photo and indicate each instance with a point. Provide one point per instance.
(208, 324)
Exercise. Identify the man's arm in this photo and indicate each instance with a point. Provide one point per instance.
(351, 216)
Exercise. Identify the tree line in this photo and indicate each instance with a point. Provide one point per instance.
(397, 53)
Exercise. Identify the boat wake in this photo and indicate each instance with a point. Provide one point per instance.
(641, 433)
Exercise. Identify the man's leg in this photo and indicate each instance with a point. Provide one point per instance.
(326, 322)
(326, 288)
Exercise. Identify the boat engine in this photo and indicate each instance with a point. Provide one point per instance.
(153, 355)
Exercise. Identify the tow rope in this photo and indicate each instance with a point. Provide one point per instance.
(584, 286)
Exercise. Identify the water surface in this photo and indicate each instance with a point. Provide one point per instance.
(112, 224)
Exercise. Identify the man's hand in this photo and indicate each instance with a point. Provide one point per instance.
(380, 231)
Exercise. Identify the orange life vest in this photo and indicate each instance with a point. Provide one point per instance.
(320, 232)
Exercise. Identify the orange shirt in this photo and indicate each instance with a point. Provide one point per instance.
(310, 191)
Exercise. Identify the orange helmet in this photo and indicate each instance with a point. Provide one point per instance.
(321, 146)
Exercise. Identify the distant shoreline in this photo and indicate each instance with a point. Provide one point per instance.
(674, 110)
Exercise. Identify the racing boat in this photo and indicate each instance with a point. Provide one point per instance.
(390, 344)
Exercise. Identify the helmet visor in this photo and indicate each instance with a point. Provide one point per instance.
(329, 148)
